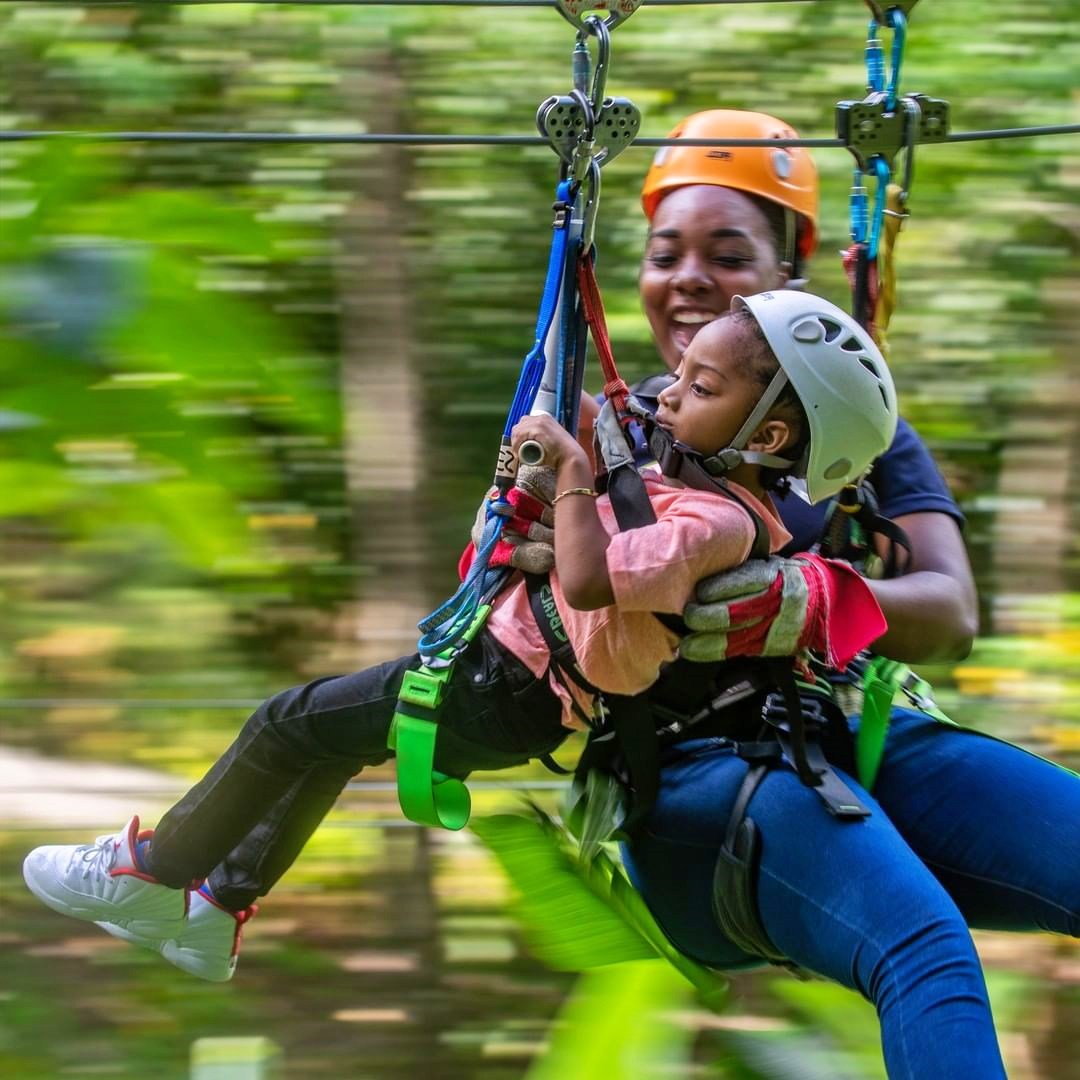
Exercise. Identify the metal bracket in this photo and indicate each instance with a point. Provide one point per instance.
(868, 129)
(577, 11)
(881, 10)
(562, 120)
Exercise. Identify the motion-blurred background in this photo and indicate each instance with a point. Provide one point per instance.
(251, 394)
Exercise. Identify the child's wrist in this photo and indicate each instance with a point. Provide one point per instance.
(588, 492)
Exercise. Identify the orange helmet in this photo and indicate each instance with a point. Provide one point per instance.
(785, 175)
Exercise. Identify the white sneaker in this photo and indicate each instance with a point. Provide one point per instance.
(206, 945)
(102, 882)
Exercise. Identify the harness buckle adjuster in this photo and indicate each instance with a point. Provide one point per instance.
(424, 687)
(774, 712)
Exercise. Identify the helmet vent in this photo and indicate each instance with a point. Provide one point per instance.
(869, 365)
(832, 329)
(854, 345)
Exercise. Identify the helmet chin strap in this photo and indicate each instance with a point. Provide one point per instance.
(735, 454)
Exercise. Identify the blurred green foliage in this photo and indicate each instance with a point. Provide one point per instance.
(176, 339)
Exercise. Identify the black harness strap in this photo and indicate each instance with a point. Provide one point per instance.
(856, 508)
(563, 661)
(734, 900)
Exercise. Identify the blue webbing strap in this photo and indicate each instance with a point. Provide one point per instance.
(443, 628)
(427, 796)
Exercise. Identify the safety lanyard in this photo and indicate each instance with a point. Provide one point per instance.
(882, 681)
(445, 627)
(876, 130)
(426, 795)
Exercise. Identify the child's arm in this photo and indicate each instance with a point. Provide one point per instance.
(581, 541)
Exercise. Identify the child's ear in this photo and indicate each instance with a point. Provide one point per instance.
(771, 437)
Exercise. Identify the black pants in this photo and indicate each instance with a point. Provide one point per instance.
(243, 825)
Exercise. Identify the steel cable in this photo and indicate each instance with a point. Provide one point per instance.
(365, 138)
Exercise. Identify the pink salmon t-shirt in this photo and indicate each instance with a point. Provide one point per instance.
(620, 648)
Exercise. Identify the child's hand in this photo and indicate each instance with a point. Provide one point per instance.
(559, 445)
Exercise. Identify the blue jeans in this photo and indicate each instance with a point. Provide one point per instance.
(966, 831)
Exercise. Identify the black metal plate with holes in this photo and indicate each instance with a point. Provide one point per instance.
(561, 120)
(867, 127)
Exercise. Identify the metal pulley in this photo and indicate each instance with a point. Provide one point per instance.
(880, 10)
(565, 120)
(868, 128)
(577, 11)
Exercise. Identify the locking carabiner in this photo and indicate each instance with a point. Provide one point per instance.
(875, 60)
(598, 28)
(912, 120)
(592, 203)
(866, 223)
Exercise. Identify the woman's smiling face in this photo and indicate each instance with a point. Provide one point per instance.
(706, 244)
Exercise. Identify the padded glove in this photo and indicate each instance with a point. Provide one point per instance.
(782, 607)
(528, 538)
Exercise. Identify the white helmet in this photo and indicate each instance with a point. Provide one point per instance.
(839, 376)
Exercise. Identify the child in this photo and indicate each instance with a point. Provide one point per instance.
(786, 383)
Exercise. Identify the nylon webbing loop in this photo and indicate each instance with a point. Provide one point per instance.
(425, 795)
(615, 388)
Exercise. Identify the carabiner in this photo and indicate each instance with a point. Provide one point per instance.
(883, 173)
(912, 120)
(866, 224)
(585, 147)
(875, 63)
(599, 29)
(592, 203)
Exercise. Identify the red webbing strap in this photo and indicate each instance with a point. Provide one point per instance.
(614, 388)
(862, 275)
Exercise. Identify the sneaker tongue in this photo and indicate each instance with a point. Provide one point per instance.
(125, 842)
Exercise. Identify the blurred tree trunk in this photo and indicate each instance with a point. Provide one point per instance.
(1037, 529)
(382, 406)
(379, 387)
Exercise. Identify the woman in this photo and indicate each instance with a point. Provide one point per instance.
(961, 825)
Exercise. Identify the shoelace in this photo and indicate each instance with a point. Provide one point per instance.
(98, 856)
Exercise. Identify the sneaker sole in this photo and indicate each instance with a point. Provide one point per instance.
(185, 959)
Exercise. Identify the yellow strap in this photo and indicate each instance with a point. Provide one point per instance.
(895, 212)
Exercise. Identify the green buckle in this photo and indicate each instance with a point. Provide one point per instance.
(424, 687)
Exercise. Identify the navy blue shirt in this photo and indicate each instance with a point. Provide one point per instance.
(905, 479)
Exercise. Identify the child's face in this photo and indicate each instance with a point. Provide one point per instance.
(713, 393)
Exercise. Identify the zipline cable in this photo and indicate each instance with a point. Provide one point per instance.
(394, 3)
(479, 140)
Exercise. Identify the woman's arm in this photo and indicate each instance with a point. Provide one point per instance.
(765, 607)
(932, 610)
(581, 541)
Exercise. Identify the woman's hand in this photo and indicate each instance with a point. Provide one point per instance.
(781, 607)
(758, 610)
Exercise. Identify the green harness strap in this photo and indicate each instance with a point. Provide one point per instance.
(426, 796)
(882, 681)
